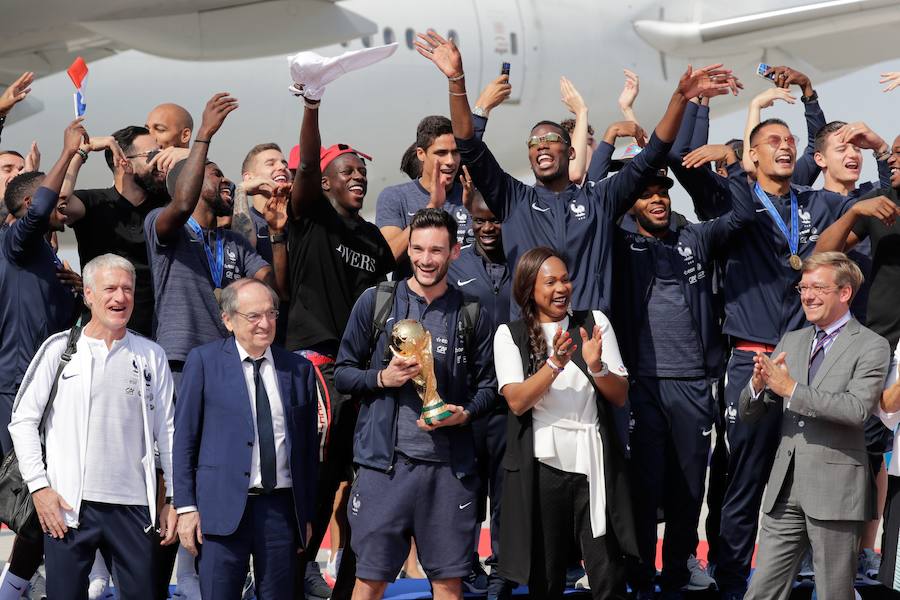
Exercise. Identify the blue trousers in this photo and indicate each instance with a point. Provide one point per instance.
(121, 534)
(751, 451)
(673, 423)
(268, 532)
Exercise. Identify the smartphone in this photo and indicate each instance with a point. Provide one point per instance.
(761, 71)
(504, 70)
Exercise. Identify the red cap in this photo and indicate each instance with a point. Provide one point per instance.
(294, 158)
(327, 155)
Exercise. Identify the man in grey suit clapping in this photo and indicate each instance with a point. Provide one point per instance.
(827, 378)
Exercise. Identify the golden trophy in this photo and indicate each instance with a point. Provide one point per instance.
(409, 338)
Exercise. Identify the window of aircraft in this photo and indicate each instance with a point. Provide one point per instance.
(513, 42)
(389, 37)
(453, 36)
(410, 37)
(367, 41)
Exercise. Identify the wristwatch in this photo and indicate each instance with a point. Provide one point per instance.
(479, 112)
(277, 238)
(603, 372)
(811, 98)
(881, 155)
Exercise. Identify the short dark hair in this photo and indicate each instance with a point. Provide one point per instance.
(566, 137)
(755, 131)
(427, 218)
(569, 126)
(738, 147)
(125, 138)
(256, 150)
(21, 186)
(430, 128)
(13, 152)
(826, 130)
(410, 163)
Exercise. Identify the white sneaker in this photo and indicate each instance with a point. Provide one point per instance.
(700, 577)
(97, 588)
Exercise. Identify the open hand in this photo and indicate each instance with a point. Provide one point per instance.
(592, 348)
(443, 53)
(630, 90)
(17, 91)
(892, 79)
(711, 80)
(218, 107)
(49, 507)
(571, 97)
(768, 97)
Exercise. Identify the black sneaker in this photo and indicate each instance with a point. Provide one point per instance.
(476, 582)
(314, 584)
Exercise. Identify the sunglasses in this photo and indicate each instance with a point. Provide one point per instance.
(774, 141)
(149, 154)
(537, 140)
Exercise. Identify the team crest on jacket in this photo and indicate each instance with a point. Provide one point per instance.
(578, 210)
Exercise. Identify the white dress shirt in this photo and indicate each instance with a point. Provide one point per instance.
(270, 382)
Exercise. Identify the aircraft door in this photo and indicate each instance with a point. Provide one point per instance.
(502, 40)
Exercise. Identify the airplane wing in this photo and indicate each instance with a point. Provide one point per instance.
(825, 33)
(45, 37)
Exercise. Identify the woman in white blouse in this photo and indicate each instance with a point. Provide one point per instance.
(561, 373)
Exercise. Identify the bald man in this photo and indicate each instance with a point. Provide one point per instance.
(171, 125)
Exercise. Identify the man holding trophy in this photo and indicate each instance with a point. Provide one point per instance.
(421, 372)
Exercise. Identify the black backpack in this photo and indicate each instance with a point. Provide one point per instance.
(384, 302)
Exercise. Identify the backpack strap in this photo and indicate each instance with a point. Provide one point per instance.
(468, 318)
(384, 302)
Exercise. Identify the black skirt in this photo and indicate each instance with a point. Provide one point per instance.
(886, 575)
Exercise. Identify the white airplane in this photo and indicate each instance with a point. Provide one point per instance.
(142, 53)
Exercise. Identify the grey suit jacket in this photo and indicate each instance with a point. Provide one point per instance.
(822, 430)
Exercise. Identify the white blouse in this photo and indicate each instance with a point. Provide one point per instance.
(566, 436)
(890, 420)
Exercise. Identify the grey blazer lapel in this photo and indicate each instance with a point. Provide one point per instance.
(839, 346)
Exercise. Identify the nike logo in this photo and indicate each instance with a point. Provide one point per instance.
(68, 375)
(705, 432)
(762, 210)
(411, 214)
(637, 249)
(462, 506)
(18, 588)
(466, 282)
(538, 208)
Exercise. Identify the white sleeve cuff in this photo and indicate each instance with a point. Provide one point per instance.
(185, 509)
(38, 483)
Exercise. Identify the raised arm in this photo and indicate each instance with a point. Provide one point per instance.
(190, 181)
(575, 103)
(493, 95)
(446, 57)
(754, 116)
(17, 91)
(598, 169)
(75, 209)
(630, 91)
(307, 189)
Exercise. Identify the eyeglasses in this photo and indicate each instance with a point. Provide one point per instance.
(537, 140)
(774, 141)
(254, 318)
(149, 154)
(478, 221)
(817, 290)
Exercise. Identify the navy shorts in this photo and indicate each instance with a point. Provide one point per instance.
(417, 499)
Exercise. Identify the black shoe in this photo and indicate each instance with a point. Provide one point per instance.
(314, 584)
(476, 582)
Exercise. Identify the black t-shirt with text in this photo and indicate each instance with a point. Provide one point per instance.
(332, 260)
(883, 315)
(112, 224)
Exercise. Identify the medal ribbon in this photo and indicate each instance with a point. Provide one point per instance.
(793, 238)
(216, 263)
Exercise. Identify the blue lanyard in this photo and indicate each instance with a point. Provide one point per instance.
(793, 238)
(216, 263)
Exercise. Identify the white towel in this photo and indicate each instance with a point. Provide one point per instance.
(311, 72)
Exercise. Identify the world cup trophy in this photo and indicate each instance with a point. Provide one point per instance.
(410, 339)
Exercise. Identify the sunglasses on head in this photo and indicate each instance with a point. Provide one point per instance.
(537, 140)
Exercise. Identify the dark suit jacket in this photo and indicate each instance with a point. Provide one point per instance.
(823, 428)
(214, 435)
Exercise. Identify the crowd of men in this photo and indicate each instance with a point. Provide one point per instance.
(218, 383)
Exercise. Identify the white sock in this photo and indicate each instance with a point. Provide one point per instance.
(12, 587)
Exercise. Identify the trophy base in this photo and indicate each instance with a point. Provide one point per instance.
(435, 413)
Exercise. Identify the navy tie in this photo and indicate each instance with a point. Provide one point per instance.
(818, 355)
(264, 430)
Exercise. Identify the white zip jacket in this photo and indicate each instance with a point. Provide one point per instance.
(67, 423)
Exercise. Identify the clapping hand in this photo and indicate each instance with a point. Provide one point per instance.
(629, 91)
(563, 348)
(571, 97)
(592, 348)
(776, 375)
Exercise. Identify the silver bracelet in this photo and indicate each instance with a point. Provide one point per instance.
(459, 77)
(603, 372)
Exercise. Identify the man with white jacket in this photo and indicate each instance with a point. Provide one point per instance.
(113, 406)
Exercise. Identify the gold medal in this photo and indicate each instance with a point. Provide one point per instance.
(796, 262)
(218, 294)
